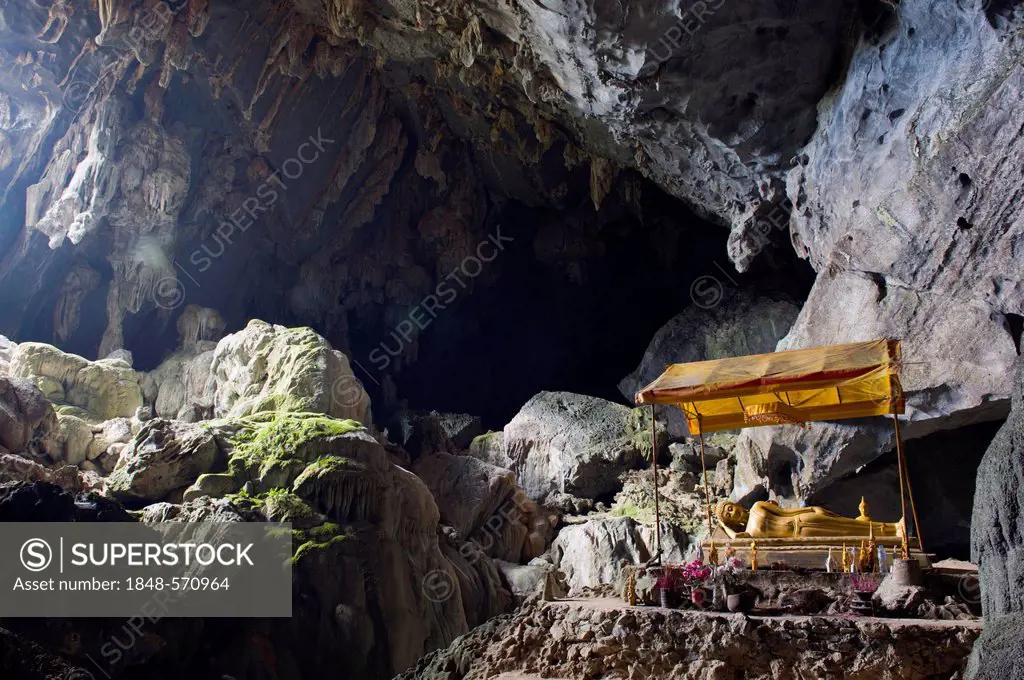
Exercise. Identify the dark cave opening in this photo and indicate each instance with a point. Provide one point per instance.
(1015, 322)
(574, 314)
(570, 304)
(564, 325)
(781, 469)
(937, 464)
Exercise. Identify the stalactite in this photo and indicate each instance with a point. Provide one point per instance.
(177, 54)
(88, 47)
(470, 44)
(67, 313)
(274, 62)
(197, 17)
(56, 21)
(602, 175)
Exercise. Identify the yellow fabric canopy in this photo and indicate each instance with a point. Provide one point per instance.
(797, 386)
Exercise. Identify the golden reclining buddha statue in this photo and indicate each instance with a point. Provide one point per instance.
(766, 519)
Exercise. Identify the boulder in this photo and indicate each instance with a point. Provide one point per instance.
(82, 440)
(27, 420)
(165, 455)
(738, 323)
(197, 510)
(482, 502)
(105, 389)
(424, 432)
(592, 554)
(419, 433)
(177, 388)
(480, 583)
(490, 448)
(525, 580)
(7, 348)
(461, 428)
(569, 444)
(286, 450)
(272, 368)
(15, 468)
(467, 491)
(108, 461)
(122, 355)
(76, 437)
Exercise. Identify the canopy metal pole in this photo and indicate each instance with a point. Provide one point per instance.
(910, 491)
(903, 494)
(657, 506)
(707, 489)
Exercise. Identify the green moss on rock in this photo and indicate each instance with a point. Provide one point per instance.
(281, 505)
(486, 439)
(311, 541)
(274, 446)
(321, 467)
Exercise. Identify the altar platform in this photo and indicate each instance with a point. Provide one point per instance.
(805, 552)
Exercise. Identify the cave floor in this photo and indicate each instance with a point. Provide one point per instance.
(605, 604)
(603, 637)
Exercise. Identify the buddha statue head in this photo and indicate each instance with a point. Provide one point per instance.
(733, 515)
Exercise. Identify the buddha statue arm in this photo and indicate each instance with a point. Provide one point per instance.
(732, 533)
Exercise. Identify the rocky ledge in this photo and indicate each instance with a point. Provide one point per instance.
(604, 638)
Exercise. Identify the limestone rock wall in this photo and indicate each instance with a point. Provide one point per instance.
(997, 527)
(904, 203)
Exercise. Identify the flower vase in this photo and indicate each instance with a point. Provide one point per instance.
(737, 602)
(718, 598)
(669, 598)
(697, 597)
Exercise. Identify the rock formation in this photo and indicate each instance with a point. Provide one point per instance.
(272, 368)
(591, 554)
(566, 640)
(565, 446)
(104, 389)
(28, 422)
(996, 544)
(163, 456)
(901, 204)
